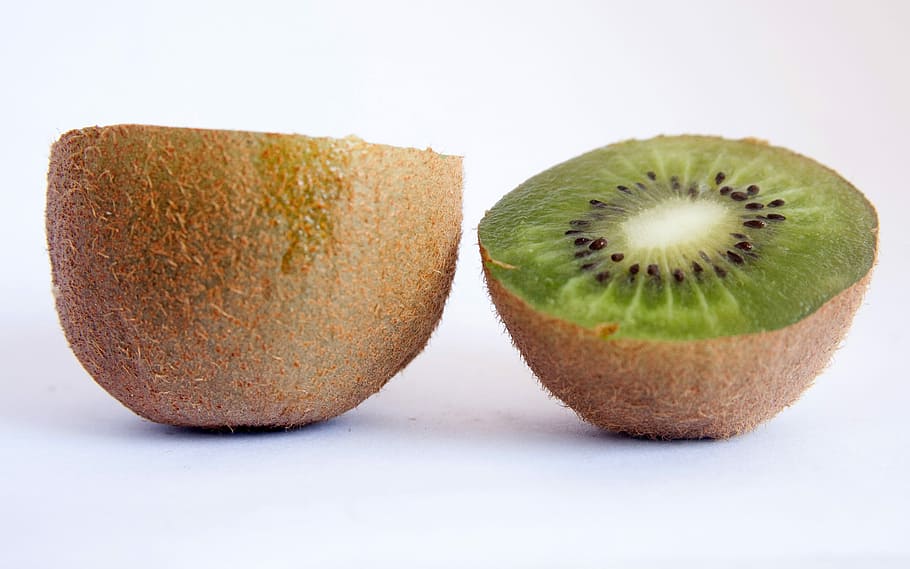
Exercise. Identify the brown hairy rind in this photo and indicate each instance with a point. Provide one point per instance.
(204, 278)
(713, 388)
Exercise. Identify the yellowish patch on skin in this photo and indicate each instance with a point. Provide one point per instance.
(606, 329)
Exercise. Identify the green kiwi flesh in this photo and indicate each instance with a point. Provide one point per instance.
(216, 279)
(703, 253)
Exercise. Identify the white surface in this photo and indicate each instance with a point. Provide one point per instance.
(462, 460)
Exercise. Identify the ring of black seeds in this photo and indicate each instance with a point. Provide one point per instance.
(595, 246)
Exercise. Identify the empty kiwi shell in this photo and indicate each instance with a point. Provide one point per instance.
(679, 287)
(235, 279)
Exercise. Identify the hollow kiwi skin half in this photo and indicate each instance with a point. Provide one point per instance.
(231, 279)
(690, 389)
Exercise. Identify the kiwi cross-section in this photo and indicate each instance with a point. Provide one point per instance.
(679, 286)
(216, 278)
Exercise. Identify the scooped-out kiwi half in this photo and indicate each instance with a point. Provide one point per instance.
(213, 278)
(682, 286)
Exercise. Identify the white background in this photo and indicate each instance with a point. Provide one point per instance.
(462, 460)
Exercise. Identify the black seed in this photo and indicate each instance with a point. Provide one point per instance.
(678, 275)
(573, 232)
(704, 256)
(674, 182)
(720, 271)
(641, 186)
(725, 190)
(738, 235)
(776, 203)
(754, 205)
(597, 203)
(755, 223)
(752, 190)
(624, 189)
(776, 217)
(744, 245)
(654, 270)
(720, 177)
(602, 276)
(617, 257)
(736, 258)
(739, 196)
(580, 222)
(652, 175)
(598, 216)
(598, 244)
(696, 267)
(693, 192)
(588, 266)
(582, 241)
(581, 254)
(633, 269)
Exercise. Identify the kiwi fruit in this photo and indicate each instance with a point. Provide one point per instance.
(213, 278)
(682, 286)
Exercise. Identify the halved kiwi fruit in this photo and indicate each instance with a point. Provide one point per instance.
(679, 287)
(235, 279)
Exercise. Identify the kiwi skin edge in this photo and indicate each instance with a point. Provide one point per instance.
(715, 388)
(210, 321)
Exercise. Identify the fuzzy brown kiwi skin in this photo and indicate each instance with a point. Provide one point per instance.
(715, 388)
(184, 298)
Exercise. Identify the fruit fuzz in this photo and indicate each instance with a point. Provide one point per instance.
(233, 279)
(679, 287)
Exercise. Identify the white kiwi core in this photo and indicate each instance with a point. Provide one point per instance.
(675, 223)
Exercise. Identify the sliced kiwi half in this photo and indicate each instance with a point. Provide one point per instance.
(215, 278)
(679, 287)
